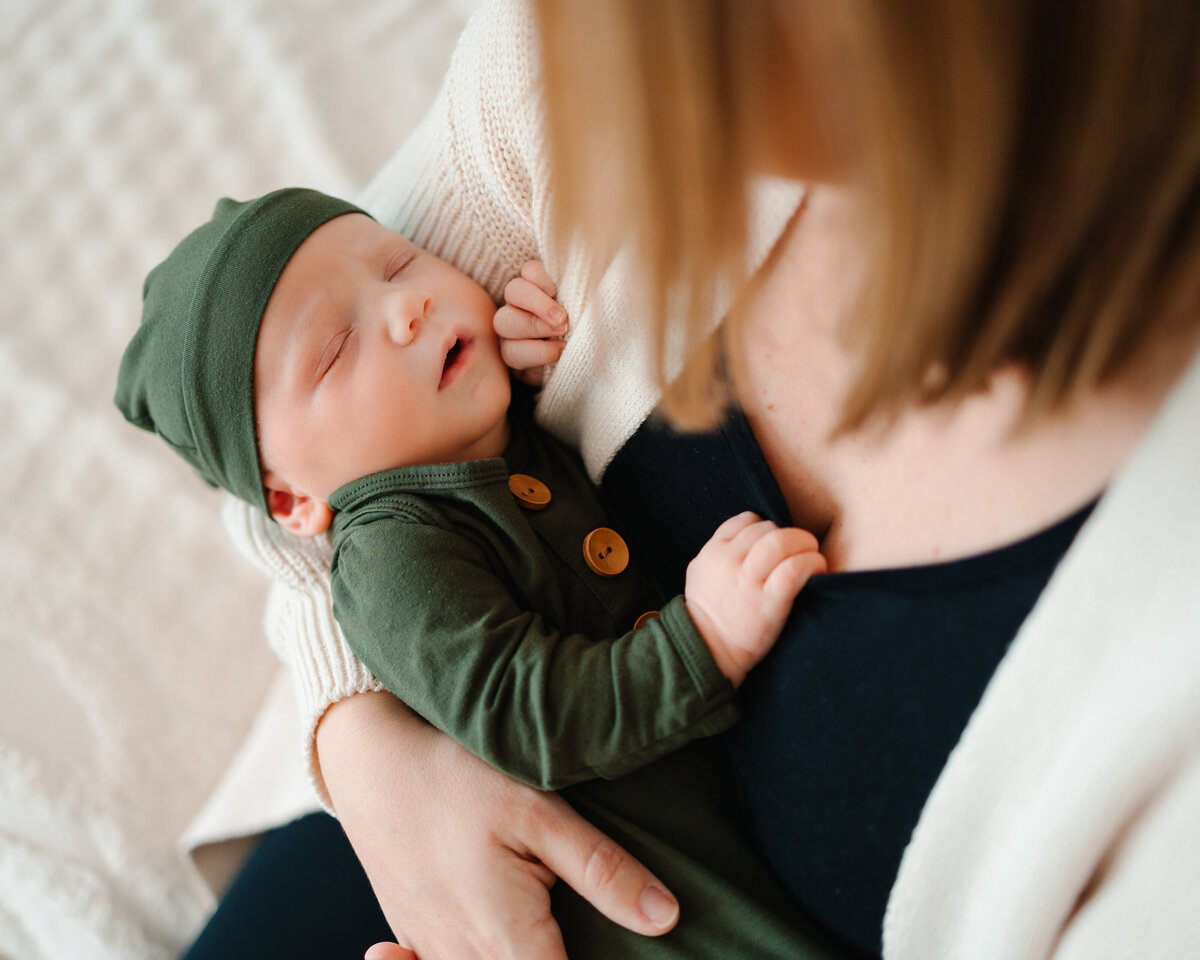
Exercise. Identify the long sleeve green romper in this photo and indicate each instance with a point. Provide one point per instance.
(485, 617)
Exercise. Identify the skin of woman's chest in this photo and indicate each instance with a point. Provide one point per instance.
(937, 484)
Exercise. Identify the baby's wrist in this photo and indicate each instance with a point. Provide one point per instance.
(718, 649)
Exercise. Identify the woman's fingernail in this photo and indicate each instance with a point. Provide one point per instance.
(660, 909)
(557, 314)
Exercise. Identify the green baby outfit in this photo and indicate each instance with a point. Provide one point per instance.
(482, 613)
(483, 607)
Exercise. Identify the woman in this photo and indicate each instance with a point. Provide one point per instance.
(953, 355)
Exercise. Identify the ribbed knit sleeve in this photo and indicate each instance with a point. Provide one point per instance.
(469, 183)
(299, 621)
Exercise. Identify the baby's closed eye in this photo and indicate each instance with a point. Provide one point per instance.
(333, 352)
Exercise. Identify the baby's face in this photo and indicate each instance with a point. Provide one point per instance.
(374, 354)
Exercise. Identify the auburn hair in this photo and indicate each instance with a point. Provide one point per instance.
(1032, 169)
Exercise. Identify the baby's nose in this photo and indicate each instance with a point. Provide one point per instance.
(404, 311)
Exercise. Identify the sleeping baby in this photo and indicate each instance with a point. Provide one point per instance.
(326, 370)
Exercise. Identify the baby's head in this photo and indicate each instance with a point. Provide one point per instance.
(292, 344)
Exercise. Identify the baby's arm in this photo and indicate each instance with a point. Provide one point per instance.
(433, 614)
(531, 324)
(740, 587)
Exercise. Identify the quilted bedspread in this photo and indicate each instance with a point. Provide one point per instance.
(132, 664)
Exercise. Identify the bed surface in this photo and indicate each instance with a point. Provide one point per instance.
(132, 663)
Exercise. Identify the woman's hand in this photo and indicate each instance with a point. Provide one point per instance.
(531, 324)
(461, 856)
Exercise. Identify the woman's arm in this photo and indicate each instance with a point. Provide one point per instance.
(462, 857)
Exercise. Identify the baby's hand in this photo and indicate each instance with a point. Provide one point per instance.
(531, 323)
(741, 585)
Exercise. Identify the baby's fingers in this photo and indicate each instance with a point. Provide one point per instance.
(535, 272)
(735, 525)
(790, 576)
(388, 951)
(773, 546)
(513, 323)
(528, 296)
(523, 355)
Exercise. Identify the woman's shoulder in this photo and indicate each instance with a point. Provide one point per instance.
(469, 181)
(1086, 740)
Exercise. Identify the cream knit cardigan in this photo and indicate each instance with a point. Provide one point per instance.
(1066, 822)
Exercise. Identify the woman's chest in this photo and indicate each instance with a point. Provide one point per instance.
(935, 484)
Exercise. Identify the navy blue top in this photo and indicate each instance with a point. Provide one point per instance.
(850, 719)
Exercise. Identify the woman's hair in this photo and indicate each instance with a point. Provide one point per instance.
(1032, 168)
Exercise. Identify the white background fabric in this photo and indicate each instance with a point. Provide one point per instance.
(122, 605)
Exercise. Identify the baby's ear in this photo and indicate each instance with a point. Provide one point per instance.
(297, 513)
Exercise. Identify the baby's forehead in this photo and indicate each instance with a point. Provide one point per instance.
(314, 289)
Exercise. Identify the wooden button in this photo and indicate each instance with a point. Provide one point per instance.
(605, 552)
(644, 619)
(530, 491)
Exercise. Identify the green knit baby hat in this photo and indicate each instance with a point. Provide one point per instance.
(188, 372)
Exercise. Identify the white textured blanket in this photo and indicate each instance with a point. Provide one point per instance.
(132, 663)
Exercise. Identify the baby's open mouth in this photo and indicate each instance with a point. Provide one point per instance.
(453, 361)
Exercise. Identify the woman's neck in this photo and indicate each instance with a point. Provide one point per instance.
(940, 482)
